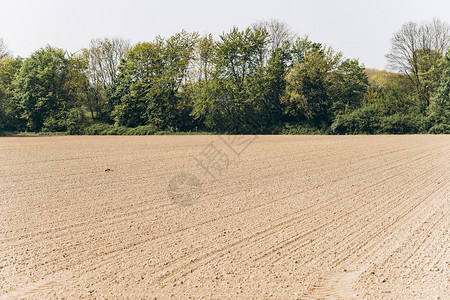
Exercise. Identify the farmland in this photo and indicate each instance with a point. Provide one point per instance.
(272, 216)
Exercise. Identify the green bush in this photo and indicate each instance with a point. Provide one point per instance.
(403, 124)
(97, 129)
(54, 124)
(365, 120)
(142, 130)
(440, 129)
(72, 122)
(371, 120)
(75, 121)
(107, 129)
(298, 129)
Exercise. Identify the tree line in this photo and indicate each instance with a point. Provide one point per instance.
(263, 79)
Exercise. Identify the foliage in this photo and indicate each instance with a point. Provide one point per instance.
(348, 84)
(439, 110)
(372, 120)
(40, 88)
(372, 97)
(403, 124)
(298, 129)
(260, 80)
(243, 93)
(398, 96)
(416, 49)
(307, 93)
(366, 120)
(379, 79)
(8, 108)
(102, 60)
(440, 129)
(107, 129)
(147, 90)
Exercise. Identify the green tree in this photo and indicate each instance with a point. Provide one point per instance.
(204, 55)
(80, 92)
(148, 89)
(348, 84)
(398, 96)
(102, 60)
(269, 108)
(8, 108)
(307, 96)
(415, 50)
(231, 99)
(40, 89)
(439, 110)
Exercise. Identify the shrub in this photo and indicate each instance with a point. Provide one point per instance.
(97, 129)
(298, 129)
(75, 121)
(107, 129)
(72, 122)
(365, 120)
(440, 129)
(142, 130)
(54, 124)
(403, 124)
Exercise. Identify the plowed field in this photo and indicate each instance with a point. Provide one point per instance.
(302, 217)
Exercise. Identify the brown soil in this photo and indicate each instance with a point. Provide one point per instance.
(289, 217)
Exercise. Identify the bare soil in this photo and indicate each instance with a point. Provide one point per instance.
(295, 217)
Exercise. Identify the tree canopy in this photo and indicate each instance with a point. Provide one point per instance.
(261, 79)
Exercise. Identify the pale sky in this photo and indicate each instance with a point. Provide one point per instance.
(360, 29)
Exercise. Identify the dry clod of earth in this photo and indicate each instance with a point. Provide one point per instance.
(286, 217)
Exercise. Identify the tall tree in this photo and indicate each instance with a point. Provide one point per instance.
(103, 58)
(415, 49)
(307, 97)
(8, 109)
(348, 84)
(228, 101)
(149, 85)
(4, 52)
(40, 89)
(440, 101)
(204, 55)
(279, 33)
(80, 91)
